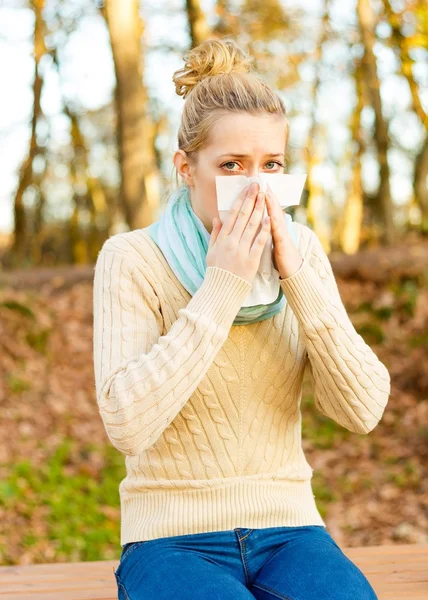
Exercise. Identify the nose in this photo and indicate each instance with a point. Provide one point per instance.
(253, 172)
(255, 178)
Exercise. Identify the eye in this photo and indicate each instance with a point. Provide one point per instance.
(229, 163)
(275, 162)
(271, 162)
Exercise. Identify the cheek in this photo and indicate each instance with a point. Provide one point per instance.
(210, 193)
(207, 193)
(212, 197)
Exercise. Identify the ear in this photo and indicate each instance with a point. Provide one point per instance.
(183, 166)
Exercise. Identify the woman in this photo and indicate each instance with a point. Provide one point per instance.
(202, 395)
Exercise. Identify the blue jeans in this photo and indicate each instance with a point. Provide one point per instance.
(290, 563)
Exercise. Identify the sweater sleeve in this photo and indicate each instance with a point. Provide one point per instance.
(351, 385)
(143, 378)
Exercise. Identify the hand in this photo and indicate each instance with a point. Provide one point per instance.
(285, 256)
(232, 244)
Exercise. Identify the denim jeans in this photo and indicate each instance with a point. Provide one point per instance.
(291, 563)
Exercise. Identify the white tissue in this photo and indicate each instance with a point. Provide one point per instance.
(288, 190)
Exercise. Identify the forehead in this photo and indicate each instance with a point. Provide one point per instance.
(245, 133)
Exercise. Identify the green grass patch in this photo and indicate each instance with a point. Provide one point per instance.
(319, 429)
(76, 523)
(418, 341)
(406, 474)
(16, 384)
(406, 293)
(324, 494)
(22, 309)
(371, 332)
(382, 313)
(38, 340)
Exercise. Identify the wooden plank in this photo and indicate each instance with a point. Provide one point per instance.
(388, 550)
(90, 580)
(396, 572)
(64, 595)
(87, 570)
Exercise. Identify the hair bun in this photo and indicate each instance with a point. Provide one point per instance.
(212, 57)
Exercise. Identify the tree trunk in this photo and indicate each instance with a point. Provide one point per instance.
(20, 247)
(381, 135)
(406, 62)
(406, 68)
(95, 198)
(198, 27)
(350, 234)
(315, 191)
(421, 184)
(135, 129)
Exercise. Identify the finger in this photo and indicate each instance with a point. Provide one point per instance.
(215, 230)
(273, 201)
(246, 210)
(274, 209)
(261, 239)
(214, 233)
(254, 221)
(229, 222)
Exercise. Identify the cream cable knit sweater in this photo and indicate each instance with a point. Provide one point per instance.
(208, 414)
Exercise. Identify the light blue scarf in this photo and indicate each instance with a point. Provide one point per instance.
(183, 240)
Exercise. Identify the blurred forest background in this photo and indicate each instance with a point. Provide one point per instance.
(87, 130)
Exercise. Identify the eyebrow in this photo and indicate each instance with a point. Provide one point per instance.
(248, 155)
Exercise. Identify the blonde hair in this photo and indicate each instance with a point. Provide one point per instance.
(218, 78)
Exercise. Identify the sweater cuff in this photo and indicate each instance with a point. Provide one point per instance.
(305, 292)
(220, 296)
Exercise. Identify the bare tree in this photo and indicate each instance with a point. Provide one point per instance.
(315, 191)
(20, 247)
(366, 18)
(199, 30)
(350, 230)
(135, 128)
(401, 43)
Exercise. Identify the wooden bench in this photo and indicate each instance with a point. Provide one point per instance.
(396, 572)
